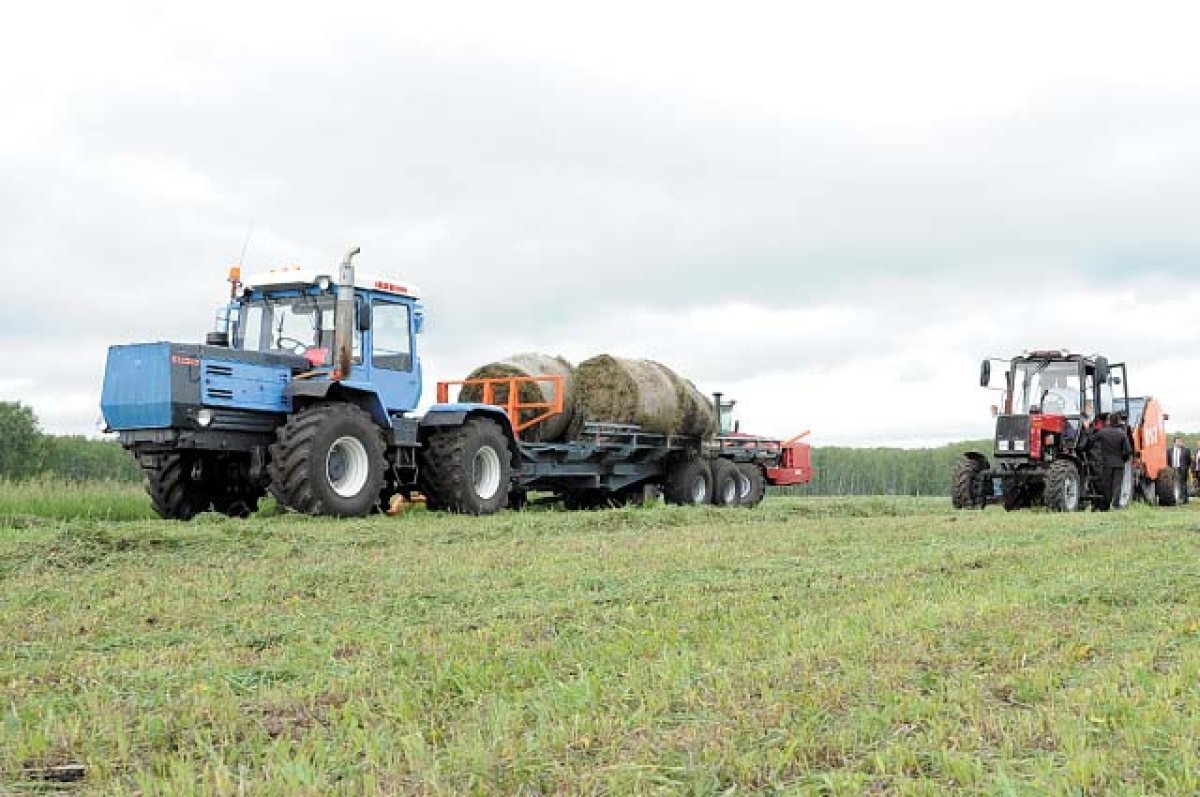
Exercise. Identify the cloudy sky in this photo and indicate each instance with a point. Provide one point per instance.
(830, 211)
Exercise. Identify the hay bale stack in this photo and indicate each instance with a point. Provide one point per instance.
(530, 364)
(641, 392)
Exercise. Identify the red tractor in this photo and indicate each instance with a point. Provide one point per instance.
(760, 461)
(1051, 403)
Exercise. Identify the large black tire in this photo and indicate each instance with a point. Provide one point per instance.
(964, 488)
(1166, 487)
(726, 487)
(689, 483)
(752, 484)
(1064, 488)
(173, 493)
(467, 469)
(328, 460)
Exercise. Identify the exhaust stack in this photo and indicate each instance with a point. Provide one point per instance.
(343, 332)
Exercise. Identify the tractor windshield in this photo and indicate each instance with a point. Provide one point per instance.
(1053, 388)
(295, 324)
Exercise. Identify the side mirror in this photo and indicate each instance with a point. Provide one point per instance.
(364, 316)
(1101, 370)
(418, 322)
(985, 373)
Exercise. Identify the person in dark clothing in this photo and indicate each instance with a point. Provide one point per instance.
(1179, 457)
(1113, 450)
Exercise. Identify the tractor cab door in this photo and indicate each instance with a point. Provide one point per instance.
(395, 368)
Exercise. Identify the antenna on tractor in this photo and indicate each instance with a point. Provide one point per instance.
(245, 243)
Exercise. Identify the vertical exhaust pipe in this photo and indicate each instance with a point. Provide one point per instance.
(343, 319)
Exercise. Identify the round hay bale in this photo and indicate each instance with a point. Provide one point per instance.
(699, 416)
(640, 392)
(530, 364)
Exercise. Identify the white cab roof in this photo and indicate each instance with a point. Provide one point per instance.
(296, 277)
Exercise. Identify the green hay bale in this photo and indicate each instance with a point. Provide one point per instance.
(640, 392)
(531, 364)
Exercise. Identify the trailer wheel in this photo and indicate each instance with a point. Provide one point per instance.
(173, 492)
(964, 492)
(1166, 487)
(689, 483)
(468, 469)
(726, 487)
(1063, 491)
(328, 460)
(752, 484)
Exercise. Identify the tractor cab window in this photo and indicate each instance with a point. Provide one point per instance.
(1053, 388)
(295, 325)
(392, 336)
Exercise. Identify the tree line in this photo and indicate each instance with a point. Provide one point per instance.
(885, 471)
(27, 452)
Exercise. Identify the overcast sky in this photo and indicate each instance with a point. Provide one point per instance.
(830, 211)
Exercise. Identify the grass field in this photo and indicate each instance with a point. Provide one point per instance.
(810, 646)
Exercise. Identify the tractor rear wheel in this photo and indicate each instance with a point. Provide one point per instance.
(752, 484)
(726, 487)
(689, 483)
(1063, 491)
(964, 490)
(1166, 487)
(173, 492)
(467, 469)
(328, 460)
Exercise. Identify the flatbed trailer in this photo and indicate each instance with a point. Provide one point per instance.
(612, 464)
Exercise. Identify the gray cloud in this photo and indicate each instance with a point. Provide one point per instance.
(540, 208)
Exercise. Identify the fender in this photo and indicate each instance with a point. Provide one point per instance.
(444, 416)
(324, 390)
(975, 456)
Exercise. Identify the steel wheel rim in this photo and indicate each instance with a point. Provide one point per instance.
(1071, 492)
(347, 466)
(1126, 487)
(729, 492)
(485, 472)
(743, 484)
(699, 493)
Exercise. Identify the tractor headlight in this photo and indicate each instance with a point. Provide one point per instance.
(204, 417)
(323, 283)
(1018, 445)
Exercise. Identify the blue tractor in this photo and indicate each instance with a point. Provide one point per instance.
(305, 390)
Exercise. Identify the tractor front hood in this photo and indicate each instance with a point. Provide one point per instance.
(1026, 435)
(163, 385)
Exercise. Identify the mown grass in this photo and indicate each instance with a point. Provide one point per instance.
(810, 646)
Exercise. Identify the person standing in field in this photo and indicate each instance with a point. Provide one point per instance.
(1112, 445)
(1196, 463)
(1180, 458)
